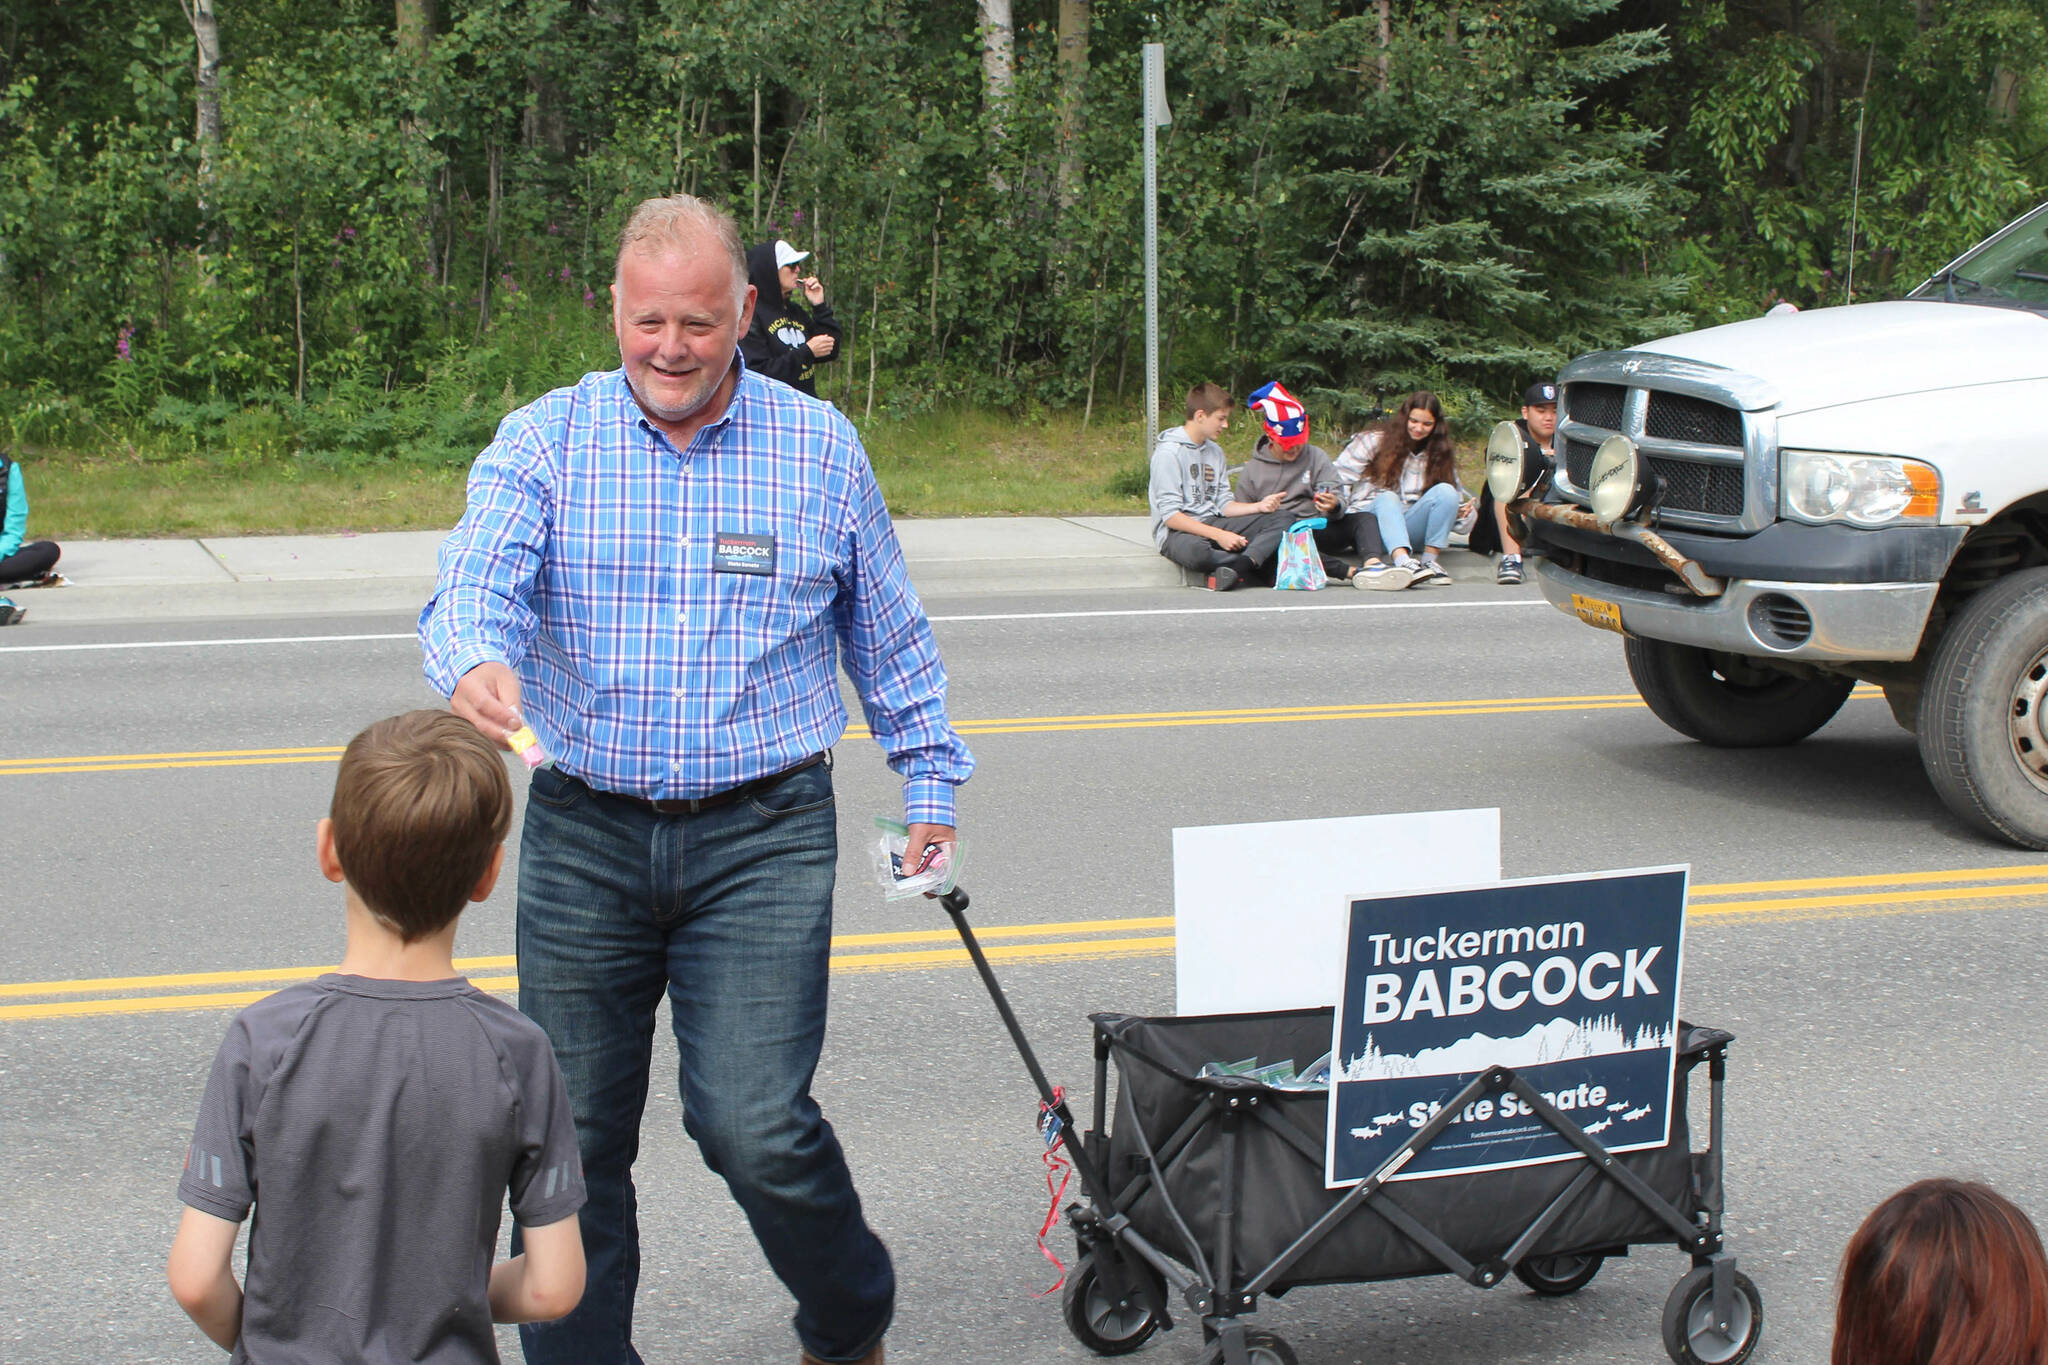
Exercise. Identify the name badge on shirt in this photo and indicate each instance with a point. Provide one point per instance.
(732, 552)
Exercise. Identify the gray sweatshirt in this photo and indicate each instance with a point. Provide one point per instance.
(1297, 478)
(1186, 477)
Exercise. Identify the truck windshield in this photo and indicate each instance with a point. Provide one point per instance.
(2006, 270)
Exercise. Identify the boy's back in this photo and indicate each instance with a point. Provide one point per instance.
(376, 1125)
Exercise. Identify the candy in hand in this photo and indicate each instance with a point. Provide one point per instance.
(525, 743)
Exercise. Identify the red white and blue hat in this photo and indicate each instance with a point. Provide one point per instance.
(1285, 419)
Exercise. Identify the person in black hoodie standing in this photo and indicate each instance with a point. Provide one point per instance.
(788, 340)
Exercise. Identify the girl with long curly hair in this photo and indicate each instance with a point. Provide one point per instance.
(1403, 476)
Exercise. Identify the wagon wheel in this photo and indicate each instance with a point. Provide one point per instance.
(1106, 1325)
(1557, 1276)
(1691, 1335)
(1268, 1348)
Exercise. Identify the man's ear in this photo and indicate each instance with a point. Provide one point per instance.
(323, 851)
(485, 883)
(747, 309)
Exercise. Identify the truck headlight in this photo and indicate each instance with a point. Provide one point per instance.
(1863, 490)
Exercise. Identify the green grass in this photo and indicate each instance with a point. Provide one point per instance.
(948, 464)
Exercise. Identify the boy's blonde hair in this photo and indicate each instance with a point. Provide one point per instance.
(420, 805)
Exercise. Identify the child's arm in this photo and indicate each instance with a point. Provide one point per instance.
(203, 1281)
(546, 1280)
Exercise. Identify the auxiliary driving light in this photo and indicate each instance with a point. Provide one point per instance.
(1513, 467)
(1614, 483)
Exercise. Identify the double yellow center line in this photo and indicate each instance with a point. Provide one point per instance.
(1013, 725)
(1801, 898)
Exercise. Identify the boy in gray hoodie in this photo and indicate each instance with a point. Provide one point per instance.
(1195, 521)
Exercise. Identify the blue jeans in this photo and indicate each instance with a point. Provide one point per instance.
(730, 912)
(1427, 522)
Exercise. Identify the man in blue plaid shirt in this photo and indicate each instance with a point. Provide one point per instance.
(659, 571)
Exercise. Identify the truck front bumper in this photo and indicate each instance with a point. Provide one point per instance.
(1760, 617)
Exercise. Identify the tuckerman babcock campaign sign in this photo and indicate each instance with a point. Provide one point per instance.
(1573, 982)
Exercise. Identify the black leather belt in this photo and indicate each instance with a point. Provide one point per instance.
(698, 804)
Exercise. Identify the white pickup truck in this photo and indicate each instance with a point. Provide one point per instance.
(1773, 510)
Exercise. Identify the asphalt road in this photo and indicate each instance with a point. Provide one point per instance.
(1880, 1009)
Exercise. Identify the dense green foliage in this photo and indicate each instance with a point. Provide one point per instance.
(393, 242)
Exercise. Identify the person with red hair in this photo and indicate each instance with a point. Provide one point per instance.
(1945, 1272)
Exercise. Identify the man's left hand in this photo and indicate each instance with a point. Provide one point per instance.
(921, 837)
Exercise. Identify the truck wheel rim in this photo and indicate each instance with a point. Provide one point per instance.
(2029, 739)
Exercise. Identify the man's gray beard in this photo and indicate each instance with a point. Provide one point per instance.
(661, 414)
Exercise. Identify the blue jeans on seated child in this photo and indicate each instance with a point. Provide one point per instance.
(1425, 525)
(728, 912)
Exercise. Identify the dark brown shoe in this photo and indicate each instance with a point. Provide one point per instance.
(873, 1357)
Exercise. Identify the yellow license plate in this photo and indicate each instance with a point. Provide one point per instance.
(1596, 611)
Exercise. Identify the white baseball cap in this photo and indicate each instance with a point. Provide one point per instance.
(785, 254)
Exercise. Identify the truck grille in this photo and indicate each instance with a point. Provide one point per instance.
(1597, 405)
(1578, 461)
(1681, 417)
(1689, 486)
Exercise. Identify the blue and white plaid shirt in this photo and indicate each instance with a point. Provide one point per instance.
(585, 561)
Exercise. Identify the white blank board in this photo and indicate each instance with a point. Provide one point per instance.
(1260, 911)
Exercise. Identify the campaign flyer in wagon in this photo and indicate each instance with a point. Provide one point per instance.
(1571, 981)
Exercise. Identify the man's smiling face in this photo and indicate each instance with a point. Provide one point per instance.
(678, 319)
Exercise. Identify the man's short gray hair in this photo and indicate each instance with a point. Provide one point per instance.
(680, 222)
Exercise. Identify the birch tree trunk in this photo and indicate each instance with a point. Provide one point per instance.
(998, 60)
(415, 22)
(1074, 18)
(206, 80)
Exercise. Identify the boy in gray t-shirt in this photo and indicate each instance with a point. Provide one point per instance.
(376, 1118)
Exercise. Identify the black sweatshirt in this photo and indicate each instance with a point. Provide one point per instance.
(776, 343)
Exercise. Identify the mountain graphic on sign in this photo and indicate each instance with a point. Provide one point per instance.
(1560, 1040)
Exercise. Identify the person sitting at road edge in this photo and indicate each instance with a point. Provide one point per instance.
(1405, 473)
(22, 561)
(1287, 467)
(1490, 531)
(1195, 521)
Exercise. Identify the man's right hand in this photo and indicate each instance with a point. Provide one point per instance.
(486, 697)
(1229, 540)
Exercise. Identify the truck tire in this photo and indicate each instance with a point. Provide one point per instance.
(1983, 730)
(1729, 701)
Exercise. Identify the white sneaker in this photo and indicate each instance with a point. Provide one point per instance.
(1383, 577)
(1430, 574)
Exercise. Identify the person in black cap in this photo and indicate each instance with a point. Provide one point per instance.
(1490, 533)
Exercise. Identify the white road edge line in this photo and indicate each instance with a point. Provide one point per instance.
(936, 620)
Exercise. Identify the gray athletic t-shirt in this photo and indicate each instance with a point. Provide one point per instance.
(376, 1127)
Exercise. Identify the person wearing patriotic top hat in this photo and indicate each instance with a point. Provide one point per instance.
(1289, 475)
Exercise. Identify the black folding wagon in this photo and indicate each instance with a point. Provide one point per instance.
(1206, 1193)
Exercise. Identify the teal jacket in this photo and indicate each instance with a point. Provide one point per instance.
(15, 526)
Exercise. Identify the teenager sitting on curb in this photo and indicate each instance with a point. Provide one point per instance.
(1195, 521)
(1405, 473)
(1286, 466)
(22, 561)
(1490, 533)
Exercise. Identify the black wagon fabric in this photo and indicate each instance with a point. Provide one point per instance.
(1280, 1186)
